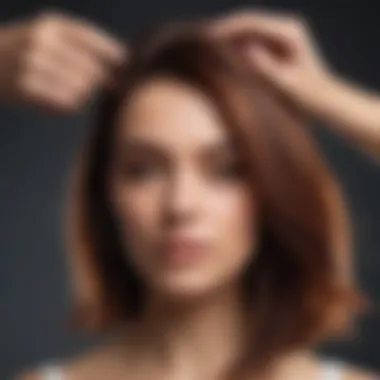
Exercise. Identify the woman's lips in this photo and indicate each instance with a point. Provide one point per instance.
(179, 252)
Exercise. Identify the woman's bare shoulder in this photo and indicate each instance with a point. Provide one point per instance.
(356, 373)
(309, 365)
(95, 363)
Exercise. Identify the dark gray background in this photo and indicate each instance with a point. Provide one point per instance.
(36, 151)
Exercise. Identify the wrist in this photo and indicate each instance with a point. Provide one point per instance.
(324, 96)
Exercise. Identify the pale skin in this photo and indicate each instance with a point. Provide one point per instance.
(182, 334)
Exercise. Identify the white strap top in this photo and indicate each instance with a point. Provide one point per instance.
(52, 372)
(331, 370)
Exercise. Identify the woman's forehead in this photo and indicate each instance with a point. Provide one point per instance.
(169, 114)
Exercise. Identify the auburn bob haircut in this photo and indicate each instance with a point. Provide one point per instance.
(299, 289)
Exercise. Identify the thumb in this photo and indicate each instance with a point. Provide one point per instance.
(263, 61)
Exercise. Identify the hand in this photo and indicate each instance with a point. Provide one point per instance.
(55, 61)
(282, 51)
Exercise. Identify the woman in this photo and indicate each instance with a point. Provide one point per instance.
(205, 228)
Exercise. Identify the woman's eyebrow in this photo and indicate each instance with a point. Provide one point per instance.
(204, 150)
(140, 146)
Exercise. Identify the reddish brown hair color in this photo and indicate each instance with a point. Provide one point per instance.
(299, 288)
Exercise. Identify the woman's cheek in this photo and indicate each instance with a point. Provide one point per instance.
(136, 214)
(235, 215)
(140, 211)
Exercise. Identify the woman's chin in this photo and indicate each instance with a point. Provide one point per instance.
(184, 288)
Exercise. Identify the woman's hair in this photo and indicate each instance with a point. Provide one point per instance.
(299, 285)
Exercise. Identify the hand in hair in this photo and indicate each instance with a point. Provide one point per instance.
(280, 48)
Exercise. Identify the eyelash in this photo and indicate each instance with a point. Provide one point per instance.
(136, 171)
(142, 171)
(231, 170)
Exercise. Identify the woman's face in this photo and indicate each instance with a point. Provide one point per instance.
(179, 191)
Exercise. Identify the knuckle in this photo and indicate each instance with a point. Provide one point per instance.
(297, 23)
(238, 14)
(46, 27)
(39, 35)
(246, 14)
(51, 17)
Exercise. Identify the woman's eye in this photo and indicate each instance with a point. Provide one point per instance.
(229, 170)
(139, 171)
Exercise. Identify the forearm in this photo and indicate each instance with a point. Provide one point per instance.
(5, 60)
(11, 40)
(352, 112)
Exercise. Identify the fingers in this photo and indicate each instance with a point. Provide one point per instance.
(263, 61)
(66, 60)
(79, 62)
(64, 76)
(42, 92)
(84, 35)
(278, 47)
(96, 41)
(268, 25)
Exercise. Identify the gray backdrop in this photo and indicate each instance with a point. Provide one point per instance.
(36, 151)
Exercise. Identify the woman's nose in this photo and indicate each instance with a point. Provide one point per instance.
(183, 196)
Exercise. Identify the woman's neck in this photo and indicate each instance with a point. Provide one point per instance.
(197, 339)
